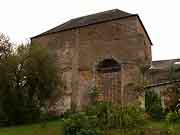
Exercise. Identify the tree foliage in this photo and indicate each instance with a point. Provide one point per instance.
(5, 45)
(28, 79)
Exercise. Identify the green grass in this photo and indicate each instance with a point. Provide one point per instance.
(151, 128)
(51, 128)
(54, 128)
(163, 126)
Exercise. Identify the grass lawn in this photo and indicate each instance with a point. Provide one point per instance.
(161, 125)
(51, 128)
(152, 128)
(54, 128)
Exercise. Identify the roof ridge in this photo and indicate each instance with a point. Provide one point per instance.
(88, 19)
(102, 12)
(166, 60)
(91, 19)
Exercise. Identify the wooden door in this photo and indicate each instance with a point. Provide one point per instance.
(109, 85)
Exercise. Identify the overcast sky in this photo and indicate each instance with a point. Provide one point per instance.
(22, 19)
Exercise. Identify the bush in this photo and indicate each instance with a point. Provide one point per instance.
(132, 117)
(156, 111)
(104, 113)
(103, 116)
(171, 117)
(153, 105)
(81, 124)
(89, 132)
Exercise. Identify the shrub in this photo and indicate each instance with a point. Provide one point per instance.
(89, 132)
(132, 116)
(81, 124)
(153, 105)
(171, 117)
(111, 116)
(156, 111)
(101, 117)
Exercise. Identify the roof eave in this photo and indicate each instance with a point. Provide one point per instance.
(144, 29)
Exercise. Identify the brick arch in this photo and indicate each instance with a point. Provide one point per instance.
(100, 59)
(108, 65)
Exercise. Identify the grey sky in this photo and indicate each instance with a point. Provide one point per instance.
(21, 19)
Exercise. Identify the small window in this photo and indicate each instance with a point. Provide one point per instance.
(108, 65)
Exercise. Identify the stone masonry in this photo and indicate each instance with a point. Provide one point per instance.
(107, 50)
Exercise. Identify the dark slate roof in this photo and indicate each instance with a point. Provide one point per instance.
(164, 64)
(93, 19)
(161, 84)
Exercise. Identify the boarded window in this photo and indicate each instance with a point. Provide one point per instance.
(108, 80)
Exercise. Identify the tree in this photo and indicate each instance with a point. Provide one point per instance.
(29, 77)
(5, 45)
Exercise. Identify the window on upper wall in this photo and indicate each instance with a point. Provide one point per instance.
(108, 65)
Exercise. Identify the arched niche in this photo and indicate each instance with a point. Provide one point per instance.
(108, 65)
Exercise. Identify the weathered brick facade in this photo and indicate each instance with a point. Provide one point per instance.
(84, 47)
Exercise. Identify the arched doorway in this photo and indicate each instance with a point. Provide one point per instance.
(108, 80)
